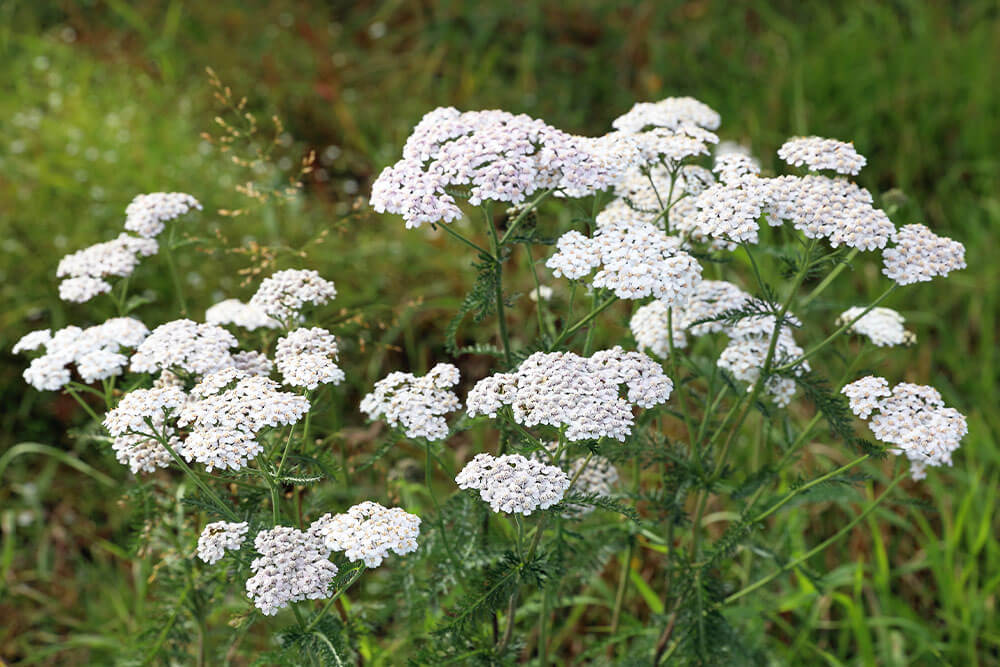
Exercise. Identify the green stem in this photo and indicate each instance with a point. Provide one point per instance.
(538, 289)
(805, 487)
(522, 215)
(222, 506)
(84, 404)
(829, 279)
(322, 612)
(582, 322)
(481, 250)
(815, 550)
(501, 315)
(819, 346)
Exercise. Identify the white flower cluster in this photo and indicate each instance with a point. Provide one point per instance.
(744, 357)
(415, 404)
(284, 294)
(369, 531)
(919, 255)
(95, 351)
(253, 362)
(227, 410)
(243, 315)
(730, 209)
(883, 326)
(219, 537)
(831, 208)
(184, 345)
(661, 146)
(818, 153)
(512, 483)
(307, 358)
(496, 156)
(136, 423)
(911, 417)
(293, 565)
(634, 261)
(582, 394)
(85, 271)
(710, 299)
(146, 214)
(672, 113)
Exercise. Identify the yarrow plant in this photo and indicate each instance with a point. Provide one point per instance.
(613, 451)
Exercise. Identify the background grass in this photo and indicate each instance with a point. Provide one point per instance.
(103, 100)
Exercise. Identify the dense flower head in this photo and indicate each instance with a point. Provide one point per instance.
(369, 531)
(919, 255)
(911, 417)
(818, 154)
(495, 156)
(746, 354)
(85, 270)
(293, 566)
(710, 299)
(514, 484)
(140, 419)
(415, 404)
(729, 210)
(661, 146)
(308, 358)
(187, 346)
(146, 214)
(227, 411)
(831, 208)
(634, 261)
(882, 326)
(672, 113)
(243, 315)
(219, 537)
(97, 352)
(284, 294)
(253, 363)
(864, 394)
(581, 393)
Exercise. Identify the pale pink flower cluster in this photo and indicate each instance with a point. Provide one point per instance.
(85, 272)
(219, 537)
(710, 299)
(146, 214)
(633, 261)
(417, 405)
(494, 156)
(582, 394)
(293, 565)
(512, 483)
(97, 352)
(882, 326)
(243, 315)
(819, 154)
(283, 295)
(368, 532)
(746, 355)
(137, 424)
(226, 412)
(911, 417)
(308, 358)
(919, 255)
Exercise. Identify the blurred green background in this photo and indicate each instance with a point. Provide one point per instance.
(106, 99)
